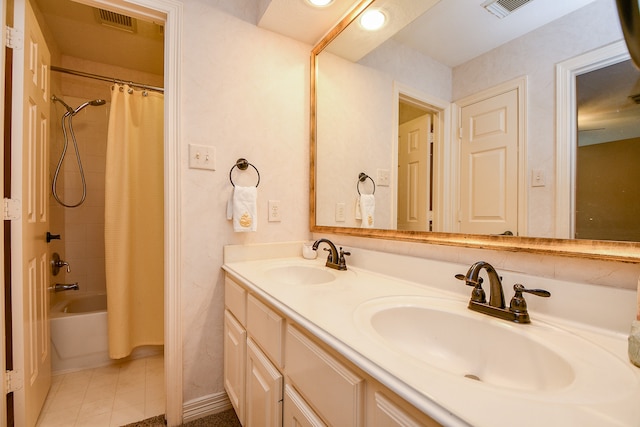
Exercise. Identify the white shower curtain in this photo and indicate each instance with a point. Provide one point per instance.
(134, 220)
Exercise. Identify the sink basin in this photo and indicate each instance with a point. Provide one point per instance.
(300, 274)
(443, 334)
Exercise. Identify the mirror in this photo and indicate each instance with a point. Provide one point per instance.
(340, 153)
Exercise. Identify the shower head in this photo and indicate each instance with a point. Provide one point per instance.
(93, 103)
(56, 99)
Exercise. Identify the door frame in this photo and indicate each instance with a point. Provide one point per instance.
(520, 85)
(170, 12)
(442, 183)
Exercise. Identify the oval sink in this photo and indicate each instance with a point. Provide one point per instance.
(300, 274)
(443, 334)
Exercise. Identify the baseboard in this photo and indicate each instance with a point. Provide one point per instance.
(204, 406)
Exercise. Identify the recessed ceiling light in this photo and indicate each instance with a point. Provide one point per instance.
(372, 20)
(320, 3)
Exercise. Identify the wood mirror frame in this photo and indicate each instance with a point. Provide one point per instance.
(591, 249)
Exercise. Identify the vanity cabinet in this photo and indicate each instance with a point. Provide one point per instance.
(276, 373)
(253, 337)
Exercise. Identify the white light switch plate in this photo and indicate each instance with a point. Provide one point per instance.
(202, 157)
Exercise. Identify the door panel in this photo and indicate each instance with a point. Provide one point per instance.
(489, 165)
(414, 174)
(30, 175)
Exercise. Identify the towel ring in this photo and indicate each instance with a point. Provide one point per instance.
(243, 164)
(362, 178)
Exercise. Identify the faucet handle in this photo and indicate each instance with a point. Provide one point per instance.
(342, 263)
(518, 304)
(330, 256)
(478, 294)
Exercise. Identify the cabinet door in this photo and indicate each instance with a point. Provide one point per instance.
(385, 411)
(264, 390)
(234, 363)
(296, 411)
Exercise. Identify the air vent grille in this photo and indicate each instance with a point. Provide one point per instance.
(502, 8)
(635, 98)
(116, 20)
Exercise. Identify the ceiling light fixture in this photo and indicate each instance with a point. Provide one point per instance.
(372, 20)
(320, 3)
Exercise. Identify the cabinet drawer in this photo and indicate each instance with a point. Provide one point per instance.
(334, 391)
(235, 299)
(267, 329)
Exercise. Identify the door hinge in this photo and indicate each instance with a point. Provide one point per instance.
(460, 133)
(13, 38)
(12, 209)
(13, 381)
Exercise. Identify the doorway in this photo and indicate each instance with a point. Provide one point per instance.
(169, 11)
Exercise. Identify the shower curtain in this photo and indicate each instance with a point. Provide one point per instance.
(134, 220)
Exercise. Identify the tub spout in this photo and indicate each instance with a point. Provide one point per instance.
(59, 287)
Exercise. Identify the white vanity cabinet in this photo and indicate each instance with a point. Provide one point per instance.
(253, 336)
(277, 373)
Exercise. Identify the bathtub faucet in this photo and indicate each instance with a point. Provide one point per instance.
(59, 287)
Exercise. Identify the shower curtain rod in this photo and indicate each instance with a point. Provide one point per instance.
(106, 79)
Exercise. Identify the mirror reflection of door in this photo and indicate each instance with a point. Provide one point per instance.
(415, 166)
(608, 152)
(489, 165)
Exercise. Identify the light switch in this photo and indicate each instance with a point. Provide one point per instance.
(202, 157)
(537, 178)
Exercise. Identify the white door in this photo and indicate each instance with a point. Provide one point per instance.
(30, 184)
(414, 174)
(489, 165)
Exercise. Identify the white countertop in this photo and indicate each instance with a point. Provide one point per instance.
(328, 311)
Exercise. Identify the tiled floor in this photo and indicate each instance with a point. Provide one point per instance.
(105, 397)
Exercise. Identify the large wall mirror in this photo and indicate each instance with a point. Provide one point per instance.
(394, 115)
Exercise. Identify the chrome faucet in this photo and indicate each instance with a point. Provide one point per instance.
(517, 311)
(59, 287)
(57, 263)
(335, 259)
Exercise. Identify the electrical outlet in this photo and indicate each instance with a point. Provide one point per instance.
(274, 211)
(202, 157)
(340, 212)
(384, 177)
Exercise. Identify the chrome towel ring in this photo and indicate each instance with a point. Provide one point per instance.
(362, 178)
(243, 164)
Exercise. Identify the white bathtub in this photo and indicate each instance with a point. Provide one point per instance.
(79, 333)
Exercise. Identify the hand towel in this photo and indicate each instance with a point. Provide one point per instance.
(367, 210)
(243, 209)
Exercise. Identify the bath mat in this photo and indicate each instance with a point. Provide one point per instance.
(226, 418)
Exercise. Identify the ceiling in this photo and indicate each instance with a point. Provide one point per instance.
(77, 32)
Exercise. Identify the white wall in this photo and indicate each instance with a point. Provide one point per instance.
(245, 92)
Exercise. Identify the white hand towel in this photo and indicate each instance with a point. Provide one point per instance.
(244, 209)
(367, 210)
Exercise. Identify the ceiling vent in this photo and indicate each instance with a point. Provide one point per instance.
(635, 98)
(116, 20)
(502, 8)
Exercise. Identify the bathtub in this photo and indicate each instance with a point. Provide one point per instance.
(78, 324)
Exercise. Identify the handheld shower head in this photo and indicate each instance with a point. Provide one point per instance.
(93, 103)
